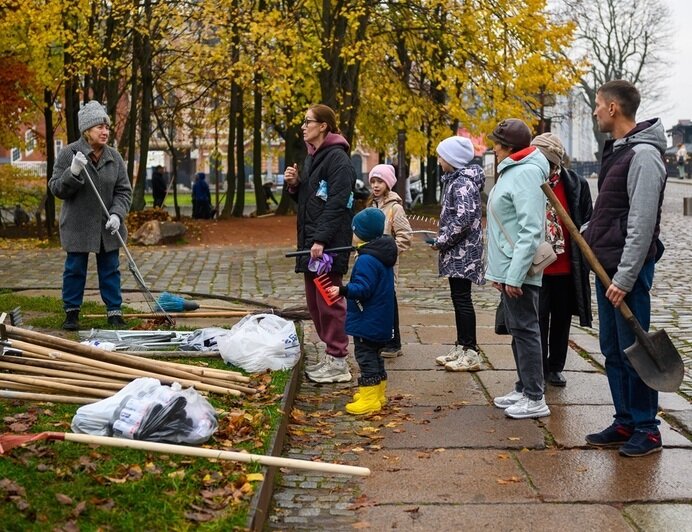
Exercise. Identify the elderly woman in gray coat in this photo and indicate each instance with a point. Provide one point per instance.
(84, 227)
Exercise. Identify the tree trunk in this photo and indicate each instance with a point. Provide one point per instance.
(231, 175)
(131, 128)
(257, 149)
(295, 153)
(50, 159)
(239, 207)
(145, 114)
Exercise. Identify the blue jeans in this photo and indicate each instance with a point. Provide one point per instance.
(635, 403)
(74, 279)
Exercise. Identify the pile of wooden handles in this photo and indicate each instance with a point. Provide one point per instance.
(55, 369)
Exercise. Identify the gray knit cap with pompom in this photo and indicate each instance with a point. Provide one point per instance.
(92, 114)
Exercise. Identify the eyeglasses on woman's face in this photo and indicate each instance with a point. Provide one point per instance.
(307, 121)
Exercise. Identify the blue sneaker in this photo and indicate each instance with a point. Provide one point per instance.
(642, 443)
(613, 436)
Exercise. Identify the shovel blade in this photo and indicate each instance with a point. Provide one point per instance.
(659, 364)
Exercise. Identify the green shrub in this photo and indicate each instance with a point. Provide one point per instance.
(21, 187)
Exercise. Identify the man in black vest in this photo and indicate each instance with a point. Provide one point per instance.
(623, 233)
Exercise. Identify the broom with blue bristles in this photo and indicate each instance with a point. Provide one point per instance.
(168, 302)
(173, 303)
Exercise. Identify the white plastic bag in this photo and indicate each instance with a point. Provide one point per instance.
(147, 410)
(259, 342)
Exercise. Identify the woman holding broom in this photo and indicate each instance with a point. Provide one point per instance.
(324, 193)
(84, 227)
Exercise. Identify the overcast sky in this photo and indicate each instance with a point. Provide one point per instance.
(678, 84)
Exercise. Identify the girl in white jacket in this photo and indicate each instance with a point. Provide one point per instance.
(382, 180)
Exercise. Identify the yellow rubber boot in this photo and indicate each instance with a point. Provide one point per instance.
(367, 401)
(382, 393)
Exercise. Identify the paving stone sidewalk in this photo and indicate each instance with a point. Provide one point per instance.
(443, 458)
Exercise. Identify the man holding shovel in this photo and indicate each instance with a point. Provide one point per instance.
(623, 234)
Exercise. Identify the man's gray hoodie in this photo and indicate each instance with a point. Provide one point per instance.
(624, 226)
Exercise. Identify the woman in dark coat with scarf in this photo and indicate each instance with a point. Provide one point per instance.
(84, 227)
(324, 193)
(565, 291)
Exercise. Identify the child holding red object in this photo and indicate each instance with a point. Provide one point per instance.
(370, 307)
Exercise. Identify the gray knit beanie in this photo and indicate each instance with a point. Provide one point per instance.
(92, 114)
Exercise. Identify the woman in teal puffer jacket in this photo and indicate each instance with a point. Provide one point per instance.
(516, 212)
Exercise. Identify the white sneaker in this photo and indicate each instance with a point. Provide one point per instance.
(454, 353)
(469, 361)
(321, 359)
(528, 408)
(333, 370)
(505, 401)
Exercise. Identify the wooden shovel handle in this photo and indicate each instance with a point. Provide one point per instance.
(169, 448)
(583, 246)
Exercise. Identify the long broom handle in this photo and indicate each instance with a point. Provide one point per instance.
(130, 259)
(583, 246)
(107, 212)
(168, 448)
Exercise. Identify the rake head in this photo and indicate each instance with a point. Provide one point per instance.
(322, 282)
(10, 441)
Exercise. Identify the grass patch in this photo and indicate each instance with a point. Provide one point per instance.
(49, 485)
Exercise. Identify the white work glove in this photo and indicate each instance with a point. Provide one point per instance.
(79, 161)
(113, 223)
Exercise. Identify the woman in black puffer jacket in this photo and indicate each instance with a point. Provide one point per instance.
(324, 193)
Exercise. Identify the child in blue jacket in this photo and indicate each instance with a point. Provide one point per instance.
(370, 307)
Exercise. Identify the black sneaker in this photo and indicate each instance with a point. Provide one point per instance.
(71, 322)
(613, 436)
(116, 320)
(641, 444)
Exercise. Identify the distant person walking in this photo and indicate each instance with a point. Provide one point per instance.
(565, 289)
(382, 180)
(681, 156)
(201, 198)
(623, 234)
(324, 193)
(460, 243)
(84, 227)
(159, 186)
(516, 212)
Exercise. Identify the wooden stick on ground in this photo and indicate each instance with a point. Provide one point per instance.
(46, 397)
(166, 379)
(277, 461)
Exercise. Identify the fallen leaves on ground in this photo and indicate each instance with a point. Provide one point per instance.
(510, 480)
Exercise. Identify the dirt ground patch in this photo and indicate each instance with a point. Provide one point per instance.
(272, 231)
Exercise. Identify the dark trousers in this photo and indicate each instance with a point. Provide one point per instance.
(370, 362)
(556, 301)
(464, 313)
(395, 342)
(74, 279)
(329, 321)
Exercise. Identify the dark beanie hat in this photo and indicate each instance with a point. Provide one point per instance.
(512, 132)
(92, 114)
(368, 224)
